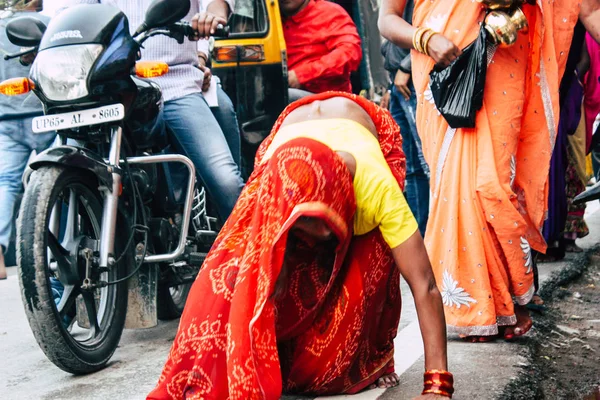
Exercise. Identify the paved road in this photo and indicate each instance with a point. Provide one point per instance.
(25, 373)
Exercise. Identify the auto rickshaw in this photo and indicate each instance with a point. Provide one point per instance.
(252, 65)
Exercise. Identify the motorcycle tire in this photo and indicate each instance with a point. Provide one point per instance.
(171, 300)
(58, 338)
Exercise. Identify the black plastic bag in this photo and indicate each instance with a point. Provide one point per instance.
(458, 89)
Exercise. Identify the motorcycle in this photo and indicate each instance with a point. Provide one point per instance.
(102, 240)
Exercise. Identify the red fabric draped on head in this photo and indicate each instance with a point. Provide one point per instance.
(226, 345)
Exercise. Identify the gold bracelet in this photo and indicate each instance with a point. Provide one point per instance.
(414, 39)
(418, 36)
(426, 40)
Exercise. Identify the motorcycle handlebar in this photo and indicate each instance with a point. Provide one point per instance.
(180, 31)
(186, 29)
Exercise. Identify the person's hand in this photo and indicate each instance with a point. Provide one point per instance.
(293, 80)
(205, 24)
(442, 50)
(430, 396)
(207, 77)
(385, 100)
(401, 83)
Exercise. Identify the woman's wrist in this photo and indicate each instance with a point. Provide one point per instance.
(438, 382)
(421, 37)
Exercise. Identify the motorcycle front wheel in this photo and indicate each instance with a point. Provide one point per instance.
(78, 326)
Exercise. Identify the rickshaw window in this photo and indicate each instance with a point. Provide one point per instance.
(249, 19)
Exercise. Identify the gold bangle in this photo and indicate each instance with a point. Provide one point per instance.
(418, 36)
(414, 38)
(426, 41)
(425, 32)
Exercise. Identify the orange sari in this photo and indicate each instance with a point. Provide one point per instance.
(489, 184)
(332, 329)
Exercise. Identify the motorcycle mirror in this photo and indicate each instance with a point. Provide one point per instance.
(164, 13)
(25, 31)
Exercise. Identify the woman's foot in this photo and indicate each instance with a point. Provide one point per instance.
(522, 326)
(386, 381)
(3, 273)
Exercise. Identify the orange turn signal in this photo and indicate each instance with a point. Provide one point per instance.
(151, 69)
(15, 86)
(249, 53)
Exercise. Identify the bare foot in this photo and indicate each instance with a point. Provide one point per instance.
(2, 266)
(522, 326)
(386, 381)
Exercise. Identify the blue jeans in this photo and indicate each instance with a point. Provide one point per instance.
(16, 144)
(197, 134)
(227, 119)
(417, 170)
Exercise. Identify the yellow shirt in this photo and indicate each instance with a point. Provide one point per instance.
(379, 200)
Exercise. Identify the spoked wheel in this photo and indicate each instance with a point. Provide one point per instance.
(76, 320)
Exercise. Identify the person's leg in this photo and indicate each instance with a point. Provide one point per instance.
(227, 119)
(417, 182)
(13, 159)
(197, 134)
(297, 94)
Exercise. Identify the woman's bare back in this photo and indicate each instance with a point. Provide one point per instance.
(334, 107)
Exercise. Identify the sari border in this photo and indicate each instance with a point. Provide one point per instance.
(483, 330)
(526, 297)
(547, 103)
(448, 139)
(506, 320)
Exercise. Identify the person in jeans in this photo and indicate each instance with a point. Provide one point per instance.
(195, 130)
(403, 106)
(17, 141)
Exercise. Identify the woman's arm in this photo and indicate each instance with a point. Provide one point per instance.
(400, 32)
(413, 262)
(590, 17)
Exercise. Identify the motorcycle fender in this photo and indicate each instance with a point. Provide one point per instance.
(141, 303)
(75, 157)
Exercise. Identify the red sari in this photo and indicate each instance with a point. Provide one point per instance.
(333, 328)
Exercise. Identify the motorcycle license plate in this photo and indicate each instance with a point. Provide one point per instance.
(93, 116)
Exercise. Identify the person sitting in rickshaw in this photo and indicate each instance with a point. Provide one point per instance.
(323, 47)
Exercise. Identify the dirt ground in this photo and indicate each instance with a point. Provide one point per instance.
(564, 349)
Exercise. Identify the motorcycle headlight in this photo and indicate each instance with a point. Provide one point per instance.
(61, 72)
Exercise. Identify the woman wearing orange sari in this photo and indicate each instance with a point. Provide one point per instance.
(295, 296)
(489, 184)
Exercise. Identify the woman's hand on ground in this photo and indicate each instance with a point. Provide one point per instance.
(442, 50)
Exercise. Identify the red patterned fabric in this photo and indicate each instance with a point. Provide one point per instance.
(332, 328)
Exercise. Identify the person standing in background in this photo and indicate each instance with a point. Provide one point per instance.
(17, 140)
(489, 183)
(194, 129)
(323, 47)
(403, 107)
